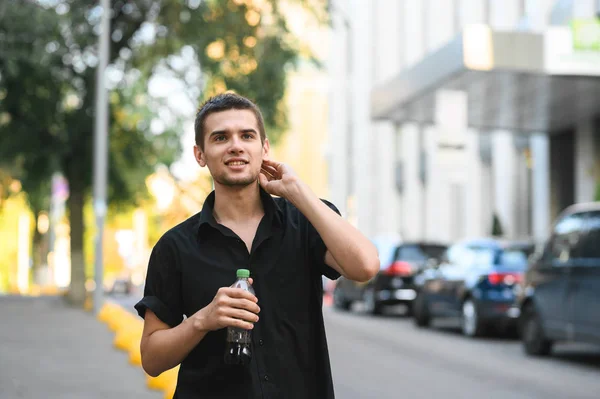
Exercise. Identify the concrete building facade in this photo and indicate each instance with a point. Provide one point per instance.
(446, 114)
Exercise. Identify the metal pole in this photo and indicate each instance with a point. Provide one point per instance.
(101, 153)
(349, 144)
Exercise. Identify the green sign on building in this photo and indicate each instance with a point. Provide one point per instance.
(586, 34)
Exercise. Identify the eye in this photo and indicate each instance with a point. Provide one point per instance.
(248, 136)
(220, 137)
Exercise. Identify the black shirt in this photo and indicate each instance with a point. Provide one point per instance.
(193, 260)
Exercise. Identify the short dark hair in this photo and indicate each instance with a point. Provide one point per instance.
(225, 102)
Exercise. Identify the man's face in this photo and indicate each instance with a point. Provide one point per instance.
(233, 151)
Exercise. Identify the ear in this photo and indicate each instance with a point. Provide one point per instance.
(266, 149)
(199, 155)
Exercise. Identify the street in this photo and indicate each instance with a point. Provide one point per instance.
(388, 357)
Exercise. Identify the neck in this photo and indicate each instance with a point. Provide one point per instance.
(237, 204)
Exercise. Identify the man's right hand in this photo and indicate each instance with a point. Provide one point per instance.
(231, 307)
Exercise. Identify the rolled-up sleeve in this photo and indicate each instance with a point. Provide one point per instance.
(162, 292)
(318, 249)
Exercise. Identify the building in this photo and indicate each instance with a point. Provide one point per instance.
(447, 113)
(302, 146)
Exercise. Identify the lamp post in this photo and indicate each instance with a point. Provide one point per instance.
(349, 194)
(101, 153)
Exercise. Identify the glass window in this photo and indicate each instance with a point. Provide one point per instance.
(513, 258)
(419, 253)
(386, 251)
(565, 240)
(455, 254)
(590, 242)
(478, 256)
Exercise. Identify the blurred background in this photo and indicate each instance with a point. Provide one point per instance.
(461, 136)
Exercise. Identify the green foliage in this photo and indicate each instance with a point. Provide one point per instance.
(48, 54)
(497, 230)
(48, 58)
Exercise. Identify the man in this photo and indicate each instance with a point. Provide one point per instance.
(287, 243)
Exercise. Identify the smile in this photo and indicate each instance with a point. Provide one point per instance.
(236, 163)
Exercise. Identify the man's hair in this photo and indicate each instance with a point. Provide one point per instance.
(225, 102)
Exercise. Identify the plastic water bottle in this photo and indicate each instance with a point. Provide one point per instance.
(238, 350)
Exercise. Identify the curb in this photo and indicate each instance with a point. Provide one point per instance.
(128, 334)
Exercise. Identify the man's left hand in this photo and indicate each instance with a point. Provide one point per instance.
(278, 179)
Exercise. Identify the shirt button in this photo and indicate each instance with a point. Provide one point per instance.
(261, 342)
(266, 378)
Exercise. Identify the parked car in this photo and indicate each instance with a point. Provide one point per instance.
(474, 284)
(393, 284)
(560, 299)
(121, 286)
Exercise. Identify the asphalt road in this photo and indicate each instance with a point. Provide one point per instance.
(388, 357)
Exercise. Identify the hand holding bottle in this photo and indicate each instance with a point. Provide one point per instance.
(231, 307)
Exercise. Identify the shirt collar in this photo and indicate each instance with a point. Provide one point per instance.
(272, 211)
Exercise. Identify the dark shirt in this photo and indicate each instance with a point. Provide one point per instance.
(193, 260)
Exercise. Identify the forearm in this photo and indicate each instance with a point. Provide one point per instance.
(355, 255)
(165, 349)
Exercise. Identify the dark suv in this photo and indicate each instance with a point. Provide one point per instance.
(560, 296)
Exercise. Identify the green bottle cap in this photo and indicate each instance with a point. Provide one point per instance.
(243, 273)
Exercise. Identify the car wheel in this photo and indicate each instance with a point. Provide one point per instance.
(471, 323)
(372, 306)
(535, 342)
(420, 311)
(339, 302)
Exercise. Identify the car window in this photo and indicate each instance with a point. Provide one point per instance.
(386, 252)
(513, 258)
(455, 253)
(468, 256)
(434, 251)
(590, 242)
(419, 253)
(478, 256)
(564, 246)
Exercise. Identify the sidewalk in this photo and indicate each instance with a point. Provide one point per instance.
(51, 351)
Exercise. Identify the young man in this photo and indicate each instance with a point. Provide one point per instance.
(287, 243)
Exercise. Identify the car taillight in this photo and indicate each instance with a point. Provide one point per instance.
(506, 278)
(399, 268)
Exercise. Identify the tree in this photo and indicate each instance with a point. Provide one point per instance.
(497, 230)
(47, 81)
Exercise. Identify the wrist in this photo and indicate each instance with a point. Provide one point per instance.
(299, 194)
(198, 322)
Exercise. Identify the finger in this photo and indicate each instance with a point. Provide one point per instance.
(241, 314)
(232, 322)
(243, 304)
(263, 180)
(251, 280)
(272, 163)
(239, 293)
(273, 171)
(268, 175)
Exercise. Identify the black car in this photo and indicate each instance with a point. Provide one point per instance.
(560, 299)
(475, 284)
(393, 284)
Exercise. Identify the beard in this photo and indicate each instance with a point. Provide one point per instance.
(236, 181)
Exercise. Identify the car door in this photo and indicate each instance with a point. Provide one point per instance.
(451, 276)
(549, 278)
(585, 282)
(430, 283)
